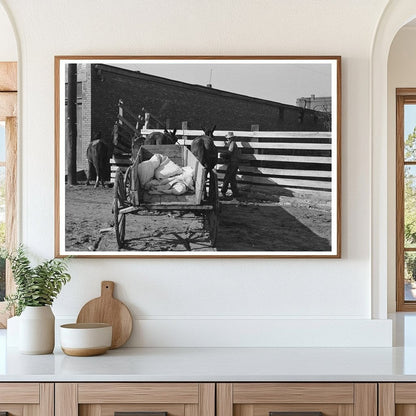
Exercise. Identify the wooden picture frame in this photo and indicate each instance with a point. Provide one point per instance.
(283, 162)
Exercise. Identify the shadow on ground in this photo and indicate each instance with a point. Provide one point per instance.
(270, 227)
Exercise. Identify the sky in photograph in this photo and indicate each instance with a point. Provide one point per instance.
(283, 82)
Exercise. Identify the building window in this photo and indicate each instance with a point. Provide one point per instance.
(406, 199)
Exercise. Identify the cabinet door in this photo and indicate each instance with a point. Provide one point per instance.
(297, 399)
(26, 399)
(141, 399)
(397, 399)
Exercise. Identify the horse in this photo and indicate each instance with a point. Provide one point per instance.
(204, 149)
(97, 157)
(167, 137)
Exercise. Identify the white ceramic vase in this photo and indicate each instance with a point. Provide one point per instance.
(37, 330)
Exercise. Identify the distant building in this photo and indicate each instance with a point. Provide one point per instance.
(315, 103)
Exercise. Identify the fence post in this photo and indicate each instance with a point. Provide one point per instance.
(120, 111)
(146, 120)
(72, 125)
(115, 133)
(184, 127)
(139, 119)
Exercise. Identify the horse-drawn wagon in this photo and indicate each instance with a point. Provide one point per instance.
(132, 197)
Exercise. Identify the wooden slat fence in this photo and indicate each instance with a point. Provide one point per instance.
(288, 159)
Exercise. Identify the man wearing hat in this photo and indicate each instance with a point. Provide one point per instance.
(231, 157)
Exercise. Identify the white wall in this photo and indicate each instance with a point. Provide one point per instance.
(401, 74)
(8, 46)
(246, 302)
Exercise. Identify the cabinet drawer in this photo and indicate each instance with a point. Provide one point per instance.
(21, 399)
(138, 393)
(19, 393)
(296, 399)
(144, 399)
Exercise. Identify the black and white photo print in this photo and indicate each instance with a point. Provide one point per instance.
(198, 156)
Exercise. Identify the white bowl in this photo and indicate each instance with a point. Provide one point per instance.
(83, 340)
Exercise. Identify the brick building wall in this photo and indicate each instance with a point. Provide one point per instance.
(198, 105)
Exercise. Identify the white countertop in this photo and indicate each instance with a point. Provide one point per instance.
(222, 364)
(215, 364)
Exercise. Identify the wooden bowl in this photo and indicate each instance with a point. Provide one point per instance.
(84, 340)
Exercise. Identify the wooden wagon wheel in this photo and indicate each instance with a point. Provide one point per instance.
(119, 202)
(212, 215)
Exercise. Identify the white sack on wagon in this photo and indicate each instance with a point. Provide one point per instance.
(146, 169)
(160, 175)
(167, 169)
(175, 185)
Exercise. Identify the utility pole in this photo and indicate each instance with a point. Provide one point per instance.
(72, 125)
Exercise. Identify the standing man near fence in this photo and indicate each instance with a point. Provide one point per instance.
(231, 158)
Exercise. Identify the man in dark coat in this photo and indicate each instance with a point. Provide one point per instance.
(231, 157)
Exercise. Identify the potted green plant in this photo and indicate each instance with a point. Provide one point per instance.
(36, 289)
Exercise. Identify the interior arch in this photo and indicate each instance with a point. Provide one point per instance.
(396, 15)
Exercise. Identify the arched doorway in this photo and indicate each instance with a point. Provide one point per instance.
(395, 16)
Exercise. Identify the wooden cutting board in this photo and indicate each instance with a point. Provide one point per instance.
(108, 310)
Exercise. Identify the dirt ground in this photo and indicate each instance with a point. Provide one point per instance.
(262, 219)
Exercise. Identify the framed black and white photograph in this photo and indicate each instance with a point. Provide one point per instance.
(198, 156)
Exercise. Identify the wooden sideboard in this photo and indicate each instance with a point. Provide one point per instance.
(208, 399)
